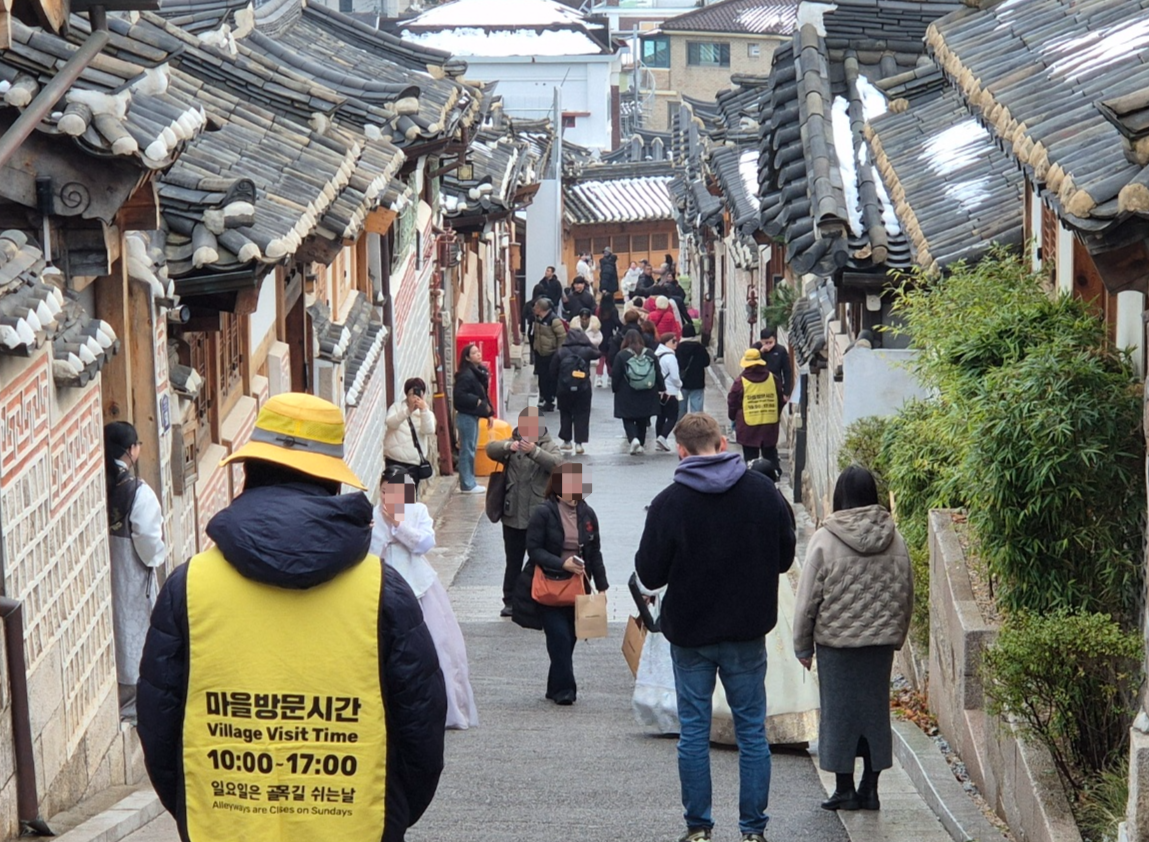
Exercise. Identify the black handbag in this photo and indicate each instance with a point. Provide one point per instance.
(496, 495)
(424, 470)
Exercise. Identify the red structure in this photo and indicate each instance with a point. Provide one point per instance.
(489, 337)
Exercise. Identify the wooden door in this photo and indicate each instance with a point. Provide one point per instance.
(1088, 286)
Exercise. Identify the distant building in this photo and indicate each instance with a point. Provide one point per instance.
(386, 8)
(529, 48)
(696, 54)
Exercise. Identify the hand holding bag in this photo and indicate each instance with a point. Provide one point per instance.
(425, 470)
(555, 591)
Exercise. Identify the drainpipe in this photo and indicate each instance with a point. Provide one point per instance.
(27, 799)
(51, 93)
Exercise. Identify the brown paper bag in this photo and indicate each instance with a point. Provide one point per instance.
(632, 642)
(590, 616)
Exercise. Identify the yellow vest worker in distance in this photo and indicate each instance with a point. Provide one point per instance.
(289, 690)
(755, 404)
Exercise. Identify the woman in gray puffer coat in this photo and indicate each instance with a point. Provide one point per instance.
(853, 608)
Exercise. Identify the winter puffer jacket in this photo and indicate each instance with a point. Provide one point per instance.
(298, 536)
(550, 333)
(857, 586)
(470, 393)
(662, 316)
(527, 476)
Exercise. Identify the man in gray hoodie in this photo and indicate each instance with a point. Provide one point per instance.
(718, 538)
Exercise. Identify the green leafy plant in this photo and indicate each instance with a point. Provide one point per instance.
(776, 313)
(1069, 680)
(863, 446)
(1100, 807)
(1056, 481)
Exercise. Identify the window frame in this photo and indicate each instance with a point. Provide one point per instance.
(661, 45)
(694, 54)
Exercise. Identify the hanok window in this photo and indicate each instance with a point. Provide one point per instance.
(656, 51)
(582, 245)
(231, 357)
(703, 54)
(570, 121)
(658, 242)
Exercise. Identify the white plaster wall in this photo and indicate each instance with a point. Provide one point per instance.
(1064, 260)
(877, 382)
(1035, 223)
(544, 244)
(262, 321)
(1130, 327)
(826, 427)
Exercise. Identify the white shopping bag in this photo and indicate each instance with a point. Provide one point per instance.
(654, 701)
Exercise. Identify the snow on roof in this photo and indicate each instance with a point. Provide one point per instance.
(491, 13)
(873, 101)
(766, 19)
(620, 200)
(472, 41)
(1093, 51)
(748, 167)
(815, 14)
(844, 146)
(957, 150)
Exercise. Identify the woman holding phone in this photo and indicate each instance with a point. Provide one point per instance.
(563, 539)
(410, 425)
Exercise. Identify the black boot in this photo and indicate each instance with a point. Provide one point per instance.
(868, 791)
(844, 797)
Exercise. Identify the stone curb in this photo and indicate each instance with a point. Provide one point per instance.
(935, 783)
(126, 817)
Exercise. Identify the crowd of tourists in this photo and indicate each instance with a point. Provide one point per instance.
(243, 635)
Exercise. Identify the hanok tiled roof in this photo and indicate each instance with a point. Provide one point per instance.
(34, 310)
(501, 165)
(1035, 72)
(698, 207)
(121, 105)
(357, 342)
(741, 17)
(954, 190)
(619, 193)
(883, 25)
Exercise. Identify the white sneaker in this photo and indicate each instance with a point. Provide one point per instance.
(641, 450)
(566, 446)
(635, 447)
(661, 444)
(579, 449)
(478, 489)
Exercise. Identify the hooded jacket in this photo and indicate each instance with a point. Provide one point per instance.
(693, 360)
(857, 586)
(593, 331)
(669, 364)
(527, 475)
(608, 273)
(550, 289)
(661, 315)
(575, 301)
(717, 538)
(753, 435)
(297, 536)
(550, 333)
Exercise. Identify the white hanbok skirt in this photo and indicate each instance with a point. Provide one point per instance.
(792, 703)
(448, 637)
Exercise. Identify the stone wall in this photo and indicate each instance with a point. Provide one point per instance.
(55, 542)
(825, 427)
(1016, 777)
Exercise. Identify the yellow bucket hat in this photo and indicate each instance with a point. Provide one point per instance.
(752, 357)
(302, 432)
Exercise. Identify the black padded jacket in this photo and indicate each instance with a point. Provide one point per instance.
(297, 536)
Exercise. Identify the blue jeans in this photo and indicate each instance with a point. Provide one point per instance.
(691, 401)
(742, 668)
(468, 429)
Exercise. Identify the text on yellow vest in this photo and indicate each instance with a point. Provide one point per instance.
(760, 401)
(284, 735)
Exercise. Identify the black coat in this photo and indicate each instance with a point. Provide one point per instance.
(545, 539)
(573, 301)
(470, 395)
(693, 358)
(608, 273)
(577, 343)
(778, 361)
(297, 536)
(719, 554)
(551, 289)
(629, 403)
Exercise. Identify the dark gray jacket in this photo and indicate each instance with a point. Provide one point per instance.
(527, 476)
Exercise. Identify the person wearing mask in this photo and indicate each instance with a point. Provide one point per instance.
(472, 402)
(608, 272)
(669, 399)
(410, 424)
(289, 615)
(563, 539)
(636, 379)
(630, 280)
(571, 370)
(777, 359)
(721, 601)
(578, 297)
(610, 325)
(550, 334)
(529, 457)
(754, 404)
(855, 597)
(693, 360)
(136, 544)
(402, 536)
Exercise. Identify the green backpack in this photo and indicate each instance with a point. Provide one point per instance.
(641, 372)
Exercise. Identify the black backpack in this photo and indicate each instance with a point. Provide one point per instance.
(574, 373)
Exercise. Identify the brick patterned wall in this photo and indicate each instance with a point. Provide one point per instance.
(212, 491)
(365, 429)
(826, 427)
(413, 355)
(738, 330)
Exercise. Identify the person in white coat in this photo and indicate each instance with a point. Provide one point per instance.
(586, 268)
(668, 400)
(136, 545)
(410, 424)
(402, 535)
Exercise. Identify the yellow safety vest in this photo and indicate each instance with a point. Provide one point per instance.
(284, 738)
(759, 402)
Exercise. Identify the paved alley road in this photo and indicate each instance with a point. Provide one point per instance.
(536, 771)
